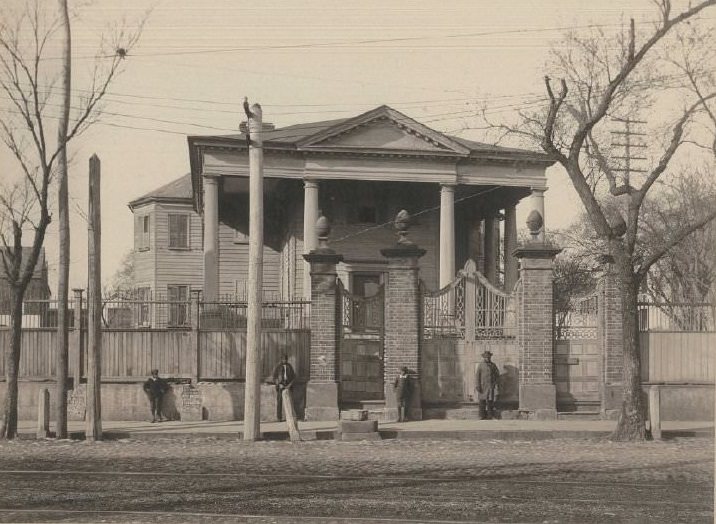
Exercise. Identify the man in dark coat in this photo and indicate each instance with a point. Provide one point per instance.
(155, 388)
(283, 377)
(487, 381)
(403, 390)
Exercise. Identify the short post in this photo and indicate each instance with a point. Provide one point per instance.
(194, 315)
(78, 339)
(43, 414)
(322, 387)
(655, 412)
(402, 320)
(290, 415)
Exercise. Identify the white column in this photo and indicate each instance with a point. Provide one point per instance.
(538, 205)
(211, 238)
(447, 234)
(491, 240)
(510, 245)
(310, 239)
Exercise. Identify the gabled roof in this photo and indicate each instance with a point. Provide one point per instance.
(177, 191)
(316, 136)
(40, 267)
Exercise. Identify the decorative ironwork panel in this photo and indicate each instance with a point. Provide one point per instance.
(580, 321)
(362, 314)
(469, 308)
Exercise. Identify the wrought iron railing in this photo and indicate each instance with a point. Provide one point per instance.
(580, 321)
(361, 314)
(37, 314)
(677, 316)
(471, 308)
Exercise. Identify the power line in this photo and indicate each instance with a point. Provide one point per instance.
(349, 43)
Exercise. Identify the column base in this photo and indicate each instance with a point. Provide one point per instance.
(322, 401)
(415, 410)
(538, 397)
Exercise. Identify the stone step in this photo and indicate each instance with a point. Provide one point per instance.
(358, 426)
(370, 435)
(579, 415)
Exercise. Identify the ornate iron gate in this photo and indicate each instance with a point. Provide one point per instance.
(460, 321)
(361, 346)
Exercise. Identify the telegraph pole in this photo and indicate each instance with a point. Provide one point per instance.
(252, 392)
(93, 427)
(626, 141)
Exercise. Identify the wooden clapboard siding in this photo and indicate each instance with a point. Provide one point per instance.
(145, 262)
(136, 353)
(177, 266)
(234, 265)
(678, 357)
(223, 353)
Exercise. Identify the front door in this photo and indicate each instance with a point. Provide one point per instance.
(362, 340)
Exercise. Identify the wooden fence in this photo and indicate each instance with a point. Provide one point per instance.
(214, 350)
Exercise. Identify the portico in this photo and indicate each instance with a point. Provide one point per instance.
(358, 172)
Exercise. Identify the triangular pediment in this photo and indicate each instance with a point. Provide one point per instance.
(383, 129)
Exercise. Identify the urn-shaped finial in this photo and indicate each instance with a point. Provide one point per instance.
(534, 223)
(402, 224)
(323, 229)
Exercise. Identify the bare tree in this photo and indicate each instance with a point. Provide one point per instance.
(28, 84)
(625, 76)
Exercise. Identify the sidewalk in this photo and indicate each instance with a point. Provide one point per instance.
(424, 429)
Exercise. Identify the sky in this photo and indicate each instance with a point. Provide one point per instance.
(302, 61)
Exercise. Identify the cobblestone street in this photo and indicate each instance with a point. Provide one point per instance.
(205, 479)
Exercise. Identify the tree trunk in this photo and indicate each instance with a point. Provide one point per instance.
(63, 276)
(8, 430)
(632, 419)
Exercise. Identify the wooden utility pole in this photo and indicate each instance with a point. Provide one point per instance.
(252, 393)
(63, 211)
(93, 428)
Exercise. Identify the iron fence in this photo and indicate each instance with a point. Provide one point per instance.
(677, 316)
(38, 314)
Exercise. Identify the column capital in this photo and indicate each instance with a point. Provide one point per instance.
(447, 186)
(310, 183)
(539, 189)
(211, 178)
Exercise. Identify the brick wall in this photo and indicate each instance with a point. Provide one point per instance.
(610, 328)
(402, 320)
(535, 321)
(325, 302)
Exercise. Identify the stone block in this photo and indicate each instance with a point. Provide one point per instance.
(538, 396)
(358, 426)
(613, 397)
(611, 414)
(322, 401)
(360, 436)
(354, 414)
(543, 414)
(509, 415)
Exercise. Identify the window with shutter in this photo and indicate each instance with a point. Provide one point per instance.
(178, 231)
(141, 233)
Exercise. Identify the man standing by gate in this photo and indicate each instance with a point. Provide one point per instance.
(487, 380)
(283, 377)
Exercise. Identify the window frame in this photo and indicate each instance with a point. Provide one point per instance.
(174, 218)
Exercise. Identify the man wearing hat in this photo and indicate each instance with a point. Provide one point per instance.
(487, 380)
(403, 391)
(155, 388)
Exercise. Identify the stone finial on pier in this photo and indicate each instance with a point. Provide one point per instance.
(402, 224)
